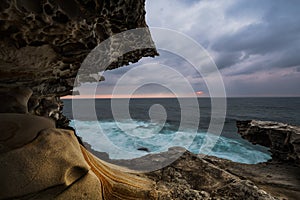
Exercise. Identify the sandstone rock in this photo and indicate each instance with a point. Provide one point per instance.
(283, 139)
(208, 177)
(44, 42)
(120, 183)
(86, 188)
(41, 162)
(53, 159)
(14, 100)
(19, 129)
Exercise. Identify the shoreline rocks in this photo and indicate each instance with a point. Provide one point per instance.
(193, 176)
(282, 139)
(50, 163)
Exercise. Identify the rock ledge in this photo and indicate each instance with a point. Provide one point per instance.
(282, 139)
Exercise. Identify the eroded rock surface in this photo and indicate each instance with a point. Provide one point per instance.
(279, 179)
(191, 177)
(52, 160)
(44, 42)
(282, 139)
(53, 165)
(39, 161)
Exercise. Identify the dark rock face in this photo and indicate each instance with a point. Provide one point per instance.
(283, 139)
(44, 42)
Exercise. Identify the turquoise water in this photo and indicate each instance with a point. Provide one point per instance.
(106, 136)
(140, 132)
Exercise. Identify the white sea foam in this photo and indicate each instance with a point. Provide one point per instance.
(106, 136)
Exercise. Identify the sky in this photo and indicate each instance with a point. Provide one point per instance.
(254, 44)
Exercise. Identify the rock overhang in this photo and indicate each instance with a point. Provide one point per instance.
(44, 42)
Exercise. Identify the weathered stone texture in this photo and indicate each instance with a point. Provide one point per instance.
(44, 42)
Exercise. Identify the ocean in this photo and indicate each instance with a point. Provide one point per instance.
(127, 137)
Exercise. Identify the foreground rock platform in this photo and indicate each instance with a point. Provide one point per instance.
(206, 177)
(193, 176)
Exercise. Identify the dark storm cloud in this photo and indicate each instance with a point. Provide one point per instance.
(278, 32)
(290, 57)
(227, 59)
(254, 43)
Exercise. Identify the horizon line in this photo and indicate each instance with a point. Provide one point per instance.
(162, 97)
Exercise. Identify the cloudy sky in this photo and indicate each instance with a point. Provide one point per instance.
(255, 45)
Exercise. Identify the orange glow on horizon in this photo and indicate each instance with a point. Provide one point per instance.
(199, 93)
(110, 96)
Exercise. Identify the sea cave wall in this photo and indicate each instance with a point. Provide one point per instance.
(43, 45)
(44, 42)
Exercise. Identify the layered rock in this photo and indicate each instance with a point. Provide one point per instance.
(196, 177)
(282, 139)
(39, 161)
(53, 165)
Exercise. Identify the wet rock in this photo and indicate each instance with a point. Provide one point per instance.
(143, 149)
(282, 139)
